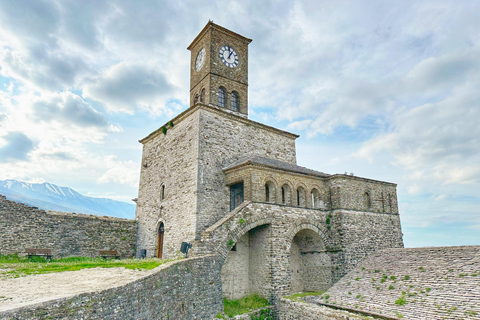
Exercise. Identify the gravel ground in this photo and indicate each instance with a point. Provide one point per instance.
(32, 289)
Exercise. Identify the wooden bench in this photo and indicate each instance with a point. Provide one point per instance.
(45, 253)
(109, 254)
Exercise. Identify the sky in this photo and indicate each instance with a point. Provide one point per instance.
(387, 90)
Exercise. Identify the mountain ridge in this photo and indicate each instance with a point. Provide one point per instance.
(48, 196)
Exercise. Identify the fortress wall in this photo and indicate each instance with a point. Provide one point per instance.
(292, 310)
(416, 283)
(186, 289)
(66, 234)
(363, 233)
(349, 192)
(171, 160)
(225, 138)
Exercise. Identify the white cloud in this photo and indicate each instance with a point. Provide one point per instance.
(123, 172)
(128, 86)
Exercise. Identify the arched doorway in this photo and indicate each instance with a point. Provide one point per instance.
(247, 267)
(310, 265)
(161, 231)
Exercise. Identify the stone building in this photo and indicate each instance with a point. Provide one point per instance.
(231, 186)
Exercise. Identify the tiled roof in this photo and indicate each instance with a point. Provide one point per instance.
(276, 164)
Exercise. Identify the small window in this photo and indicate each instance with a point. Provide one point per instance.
(195, 100)
(368, 200)
(202, 96)
(236, 195)
(162, 192)
(286, 194)
(235, 101)
(222, 95)
(301, 197)
(315, 199)
(269, 192)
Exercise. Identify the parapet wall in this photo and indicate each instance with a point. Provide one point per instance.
(66, 234)
(187, 289)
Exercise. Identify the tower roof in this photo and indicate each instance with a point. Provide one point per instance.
(211, 25)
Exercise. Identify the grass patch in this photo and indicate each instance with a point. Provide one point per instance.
(14, 267)
(297, 296)
(244, 305)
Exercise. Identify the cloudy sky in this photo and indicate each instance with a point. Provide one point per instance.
(384, 89)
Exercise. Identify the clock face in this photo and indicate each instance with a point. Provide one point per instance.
(200, 60)
(228, 56)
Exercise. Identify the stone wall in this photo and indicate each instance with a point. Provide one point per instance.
(187, 289)
(330, 241)
(66, 234)
(293, 310)
(169, 160)
(223, 139)
(414, 283)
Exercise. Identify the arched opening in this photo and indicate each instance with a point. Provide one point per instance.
(202, 95)
(316, 202)
(269, 192)
(161, 231)
(301, 198)
(246, 269)
(310, 265)
(222, 95)
(235, 101)
(368, 200)
(285, 194)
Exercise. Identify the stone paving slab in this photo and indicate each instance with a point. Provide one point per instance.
(413, 283)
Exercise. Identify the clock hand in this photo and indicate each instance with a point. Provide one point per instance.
(231, 52)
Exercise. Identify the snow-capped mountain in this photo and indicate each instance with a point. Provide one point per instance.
(48, 196)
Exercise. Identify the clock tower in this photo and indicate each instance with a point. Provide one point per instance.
(219, 69)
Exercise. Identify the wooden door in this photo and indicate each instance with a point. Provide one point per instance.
(161, 231)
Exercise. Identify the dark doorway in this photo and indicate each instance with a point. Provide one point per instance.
(161, 231)
(236, 195)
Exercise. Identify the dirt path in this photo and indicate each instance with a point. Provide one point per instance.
(27, 290)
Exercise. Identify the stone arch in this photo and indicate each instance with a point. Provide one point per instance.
(245, 270)
(285, 193)
(301, 196)
(202, 95)
(310, 266)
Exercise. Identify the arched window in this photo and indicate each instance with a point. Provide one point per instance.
(202, 96)
(235, 101)
(315, 199)
(222, 95)
(162, 192)
(269, 192)
(301, 197)
(195, 99)
(368, 200)
(285, 194)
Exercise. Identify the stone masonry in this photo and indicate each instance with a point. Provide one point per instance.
(187, 289)
(297, 229)
(66, 234)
